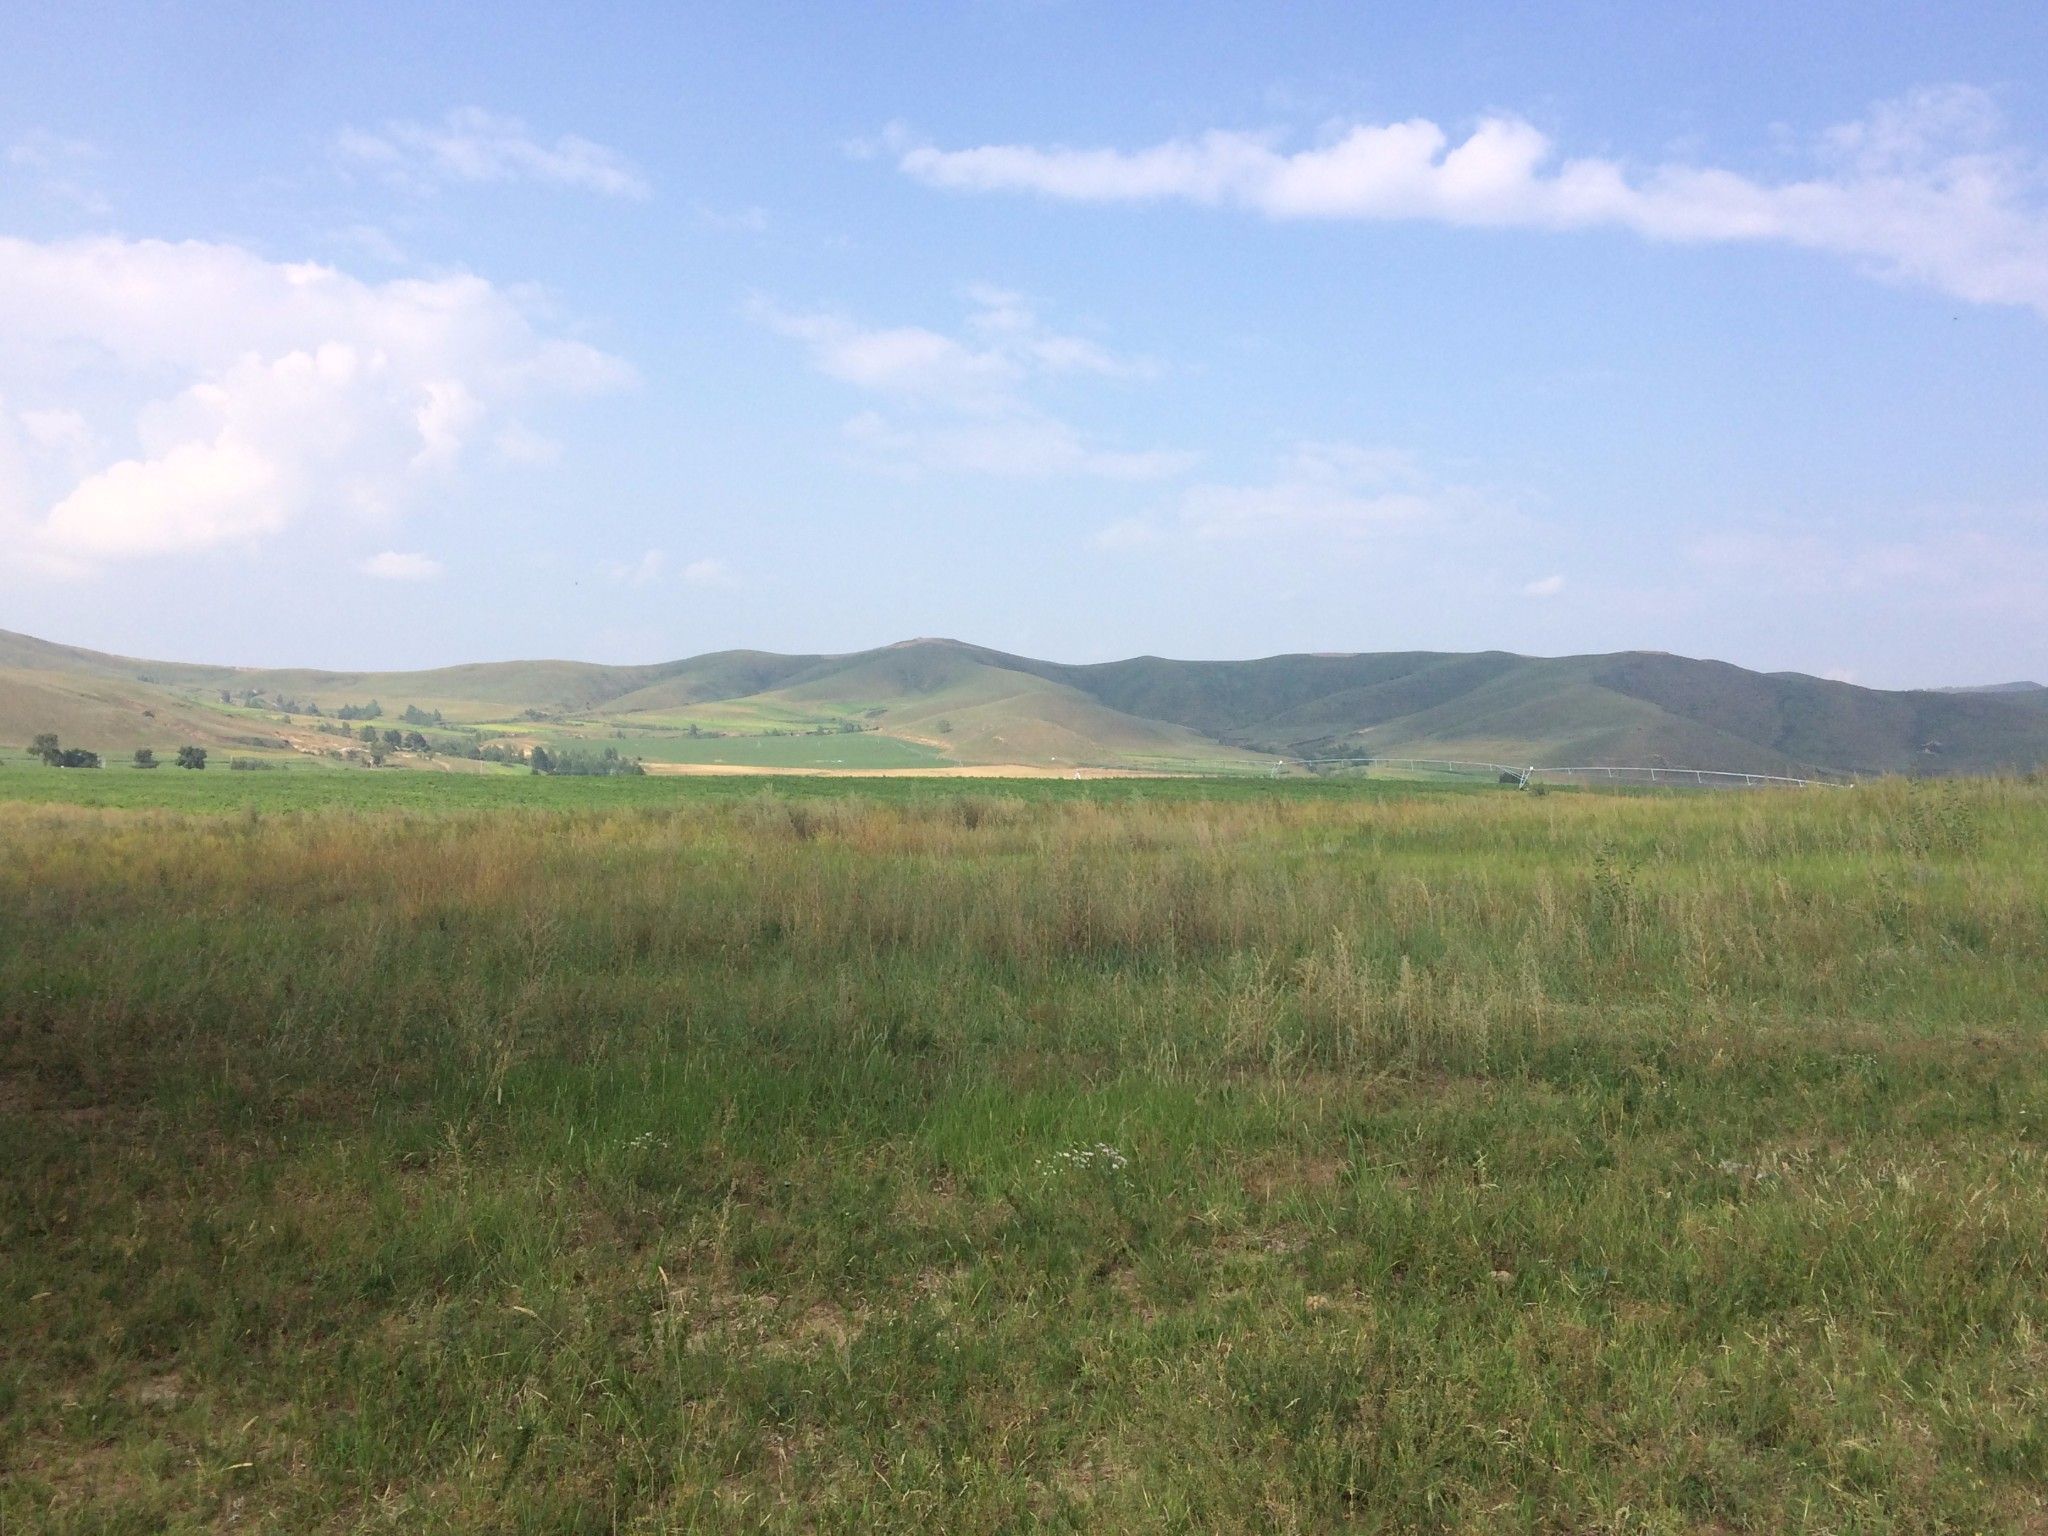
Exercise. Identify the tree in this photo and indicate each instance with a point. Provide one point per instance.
(144, 758)
(393, 741)
(77, 757)
(191, 757)
(541, 759)
(415, 742)
(46, 748)
(369, 735)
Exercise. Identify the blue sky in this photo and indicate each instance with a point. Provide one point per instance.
(352, 335)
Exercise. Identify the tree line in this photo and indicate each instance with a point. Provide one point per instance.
(56, 755)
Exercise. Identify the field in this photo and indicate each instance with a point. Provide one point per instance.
(863, 749)
(398, 1152)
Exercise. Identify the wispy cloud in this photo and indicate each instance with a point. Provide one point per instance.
(1544, 586)
(61, 167)
(750, 220)
(1321, 492)
(709, 573)
(518, 443)
(472, 145)
(1321, 488)
(392, 565)
(1955, 561)
(1923, 189)
(652, 567)
(964, 402)
(641, 571)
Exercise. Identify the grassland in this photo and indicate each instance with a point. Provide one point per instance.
(388, 1152)
(972, 705)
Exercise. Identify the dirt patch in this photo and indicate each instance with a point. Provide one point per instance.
(1309, 1174)
(757, 1320)
(159, 1392)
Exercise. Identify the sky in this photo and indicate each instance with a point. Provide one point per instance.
(382, 335)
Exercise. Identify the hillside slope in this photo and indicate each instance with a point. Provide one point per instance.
(1631, 707)
(971, 705)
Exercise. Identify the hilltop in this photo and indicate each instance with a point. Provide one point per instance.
(935, 701)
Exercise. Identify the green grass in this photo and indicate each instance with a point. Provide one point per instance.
(398, 1152)
(863, 749)
(313, 784)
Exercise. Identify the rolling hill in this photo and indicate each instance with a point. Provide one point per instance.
(944, 701)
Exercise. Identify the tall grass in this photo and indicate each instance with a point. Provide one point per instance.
(735, 1160)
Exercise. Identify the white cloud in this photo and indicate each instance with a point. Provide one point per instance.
(1127, 533)
(517, 444)
(1018, 443)
(709, 573)
(62, 430)
(42, 150)
(1327, 489)
(652, 565)
(370, 240)
(750, 220)
(638, 572)
(907, 361)
(242, 396)
(1952, 560)
(1922, 189)
(963, 403)
(472, 145)
(1544, 586)
(393, 566)
(1321, 492)
(61, 167)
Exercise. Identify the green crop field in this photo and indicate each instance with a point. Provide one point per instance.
(411, 1152)
(847, 749)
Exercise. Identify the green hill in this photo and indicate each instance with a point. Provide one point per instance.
(946, 701)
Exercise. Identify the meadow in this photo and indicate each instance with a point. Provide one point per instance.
(406, 1152)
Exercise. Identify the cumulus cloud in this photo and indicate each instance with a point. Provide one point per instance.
(963, 402)
(394, 566)
(241, 396)
(472, 145)
(1923, 189)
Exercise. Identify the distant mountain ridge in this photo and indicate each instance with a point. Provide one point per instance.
(969, 704)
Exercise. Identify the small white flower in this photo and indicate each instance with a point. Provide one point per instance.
(1101, 1156)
